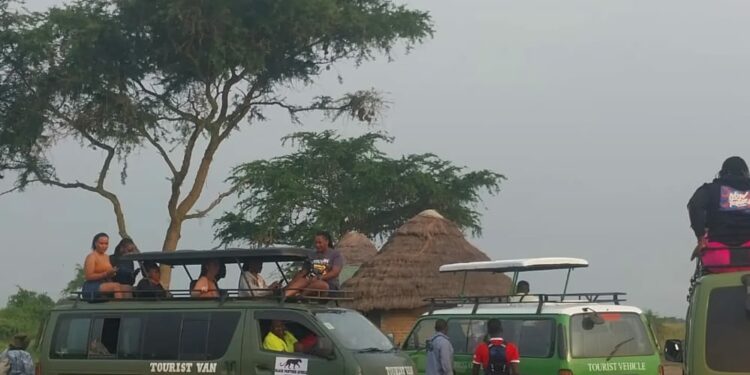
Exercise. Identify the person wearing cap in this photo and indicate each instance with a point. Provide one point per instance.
(720, 215)
(16, 360)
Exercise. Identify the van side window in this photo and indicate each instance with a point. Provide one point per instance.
(161, 337)
(104, 337)
(220, 332)
(71, 338)
(131, 332)
(458, 334)
(420, 334)
(536, 338)
(305, 337)
(194, 338)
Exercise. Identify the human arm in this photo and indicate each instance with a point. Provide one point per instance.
(697, 210)
(481, 356)
(514, 358)
(337, 264)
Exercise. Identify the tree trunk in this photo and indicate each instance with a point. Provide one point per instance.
(170, 244)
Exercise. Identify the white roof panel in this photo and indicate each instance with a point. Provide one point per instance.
(516, 265)
(531, 308)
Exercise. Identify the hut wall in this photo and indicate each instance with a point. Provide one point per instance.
(399, 322)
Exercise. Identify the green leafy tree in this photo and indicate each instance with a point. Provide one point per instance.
(178, 77)
(24, 313)
(76, 283)
(347, 184)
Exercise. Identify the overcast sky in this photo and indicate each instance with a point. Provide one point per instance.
(604, 115)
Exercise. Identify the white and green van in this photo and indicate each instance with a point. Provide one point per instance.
(561, 334)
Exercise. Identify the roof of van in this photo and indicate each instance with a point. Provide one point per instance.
(516, 265)
(531, 309)
(188, 257)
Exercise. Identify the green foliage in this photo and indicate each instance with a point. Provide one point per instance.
(120, 75)
(76, 283)
(24, 313)
(665, 328)
(346, 184)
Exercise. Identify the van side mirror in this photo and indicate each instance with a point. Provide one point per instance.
(673, 350)
(324, 348)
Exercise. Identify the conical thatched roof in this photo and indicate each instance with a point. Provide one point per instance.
(405, 271)
(356, 248)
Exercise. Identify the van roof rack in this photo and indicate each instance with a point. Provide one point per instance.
(517, 266)
(235, 255)
(539, 299)
(227, 295)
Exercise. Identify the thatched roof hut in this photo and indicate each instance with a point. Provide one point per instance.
(405, 271)
(356, 248)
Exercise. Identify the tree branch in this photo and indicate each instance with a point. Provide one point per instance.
(202, 213)
(168, 103)
(161, 150)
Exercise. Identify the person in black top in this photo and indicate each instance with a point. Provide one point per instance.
(125, 269)
(150, 286)
(720, 210)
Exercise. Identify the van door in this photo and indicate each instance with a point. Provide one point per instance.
(259, 361)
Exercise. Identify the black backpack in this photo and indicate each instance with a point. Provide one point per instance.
(498, 360)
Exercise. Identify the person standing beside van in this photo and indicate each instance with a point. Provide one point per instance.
(720, 214)
(327, 264)
(496, 357)
(440, 351)
(16, 360)
(98, 271)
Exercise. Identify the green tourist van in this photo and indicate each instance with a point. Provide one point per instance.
(718, 326)
(557, 334)
(223, 336)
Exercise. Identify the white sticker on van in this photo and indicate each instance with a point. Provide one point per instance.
(182, 367)
(329, 326)
(617, 366)
(400, 370)
(287, 365)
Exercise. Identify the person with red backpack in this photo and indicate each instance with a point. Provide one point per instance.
(720, 217)
(496, 357)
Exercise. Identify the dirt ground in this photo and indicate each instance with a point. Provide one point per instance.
(672, 370)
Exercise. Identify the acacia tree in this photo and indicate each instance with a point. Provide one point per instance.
(346, 184)
(178, 76)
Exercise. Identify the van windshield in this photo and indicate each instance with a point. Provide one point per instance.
(612, 335)
(727, 330)
(354, 331)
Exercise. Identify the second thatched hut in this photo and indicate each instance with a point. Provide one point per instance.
(391, 287)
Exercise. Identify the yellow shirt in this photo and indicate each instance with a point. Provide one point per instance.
(276, 344)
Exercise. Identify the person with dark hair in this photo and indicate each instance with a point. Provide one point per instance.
(126, 271)
(324, 270)
(252, 284)
(207, 284)
(150, 286)
(98, 271)
(16, 360)
(439, 351)
(496, 357)
(522, 287)
(720, 216)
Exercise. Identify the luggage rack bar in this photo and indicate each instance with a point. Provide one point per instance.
(184, 295)
(538, 299)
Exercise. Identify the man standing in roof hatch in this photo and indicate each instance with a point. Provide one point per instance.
(720, 216)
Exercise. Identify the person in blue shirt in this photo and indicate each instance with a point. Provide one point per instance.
(440, 351)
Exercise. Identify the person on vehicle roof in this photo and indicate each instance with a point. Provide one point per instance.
(150, 286)
(496, 357)
(126, 271)
(252, 284)
(98, 271)
(720, 213)
(323, 274)
(206, 286)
